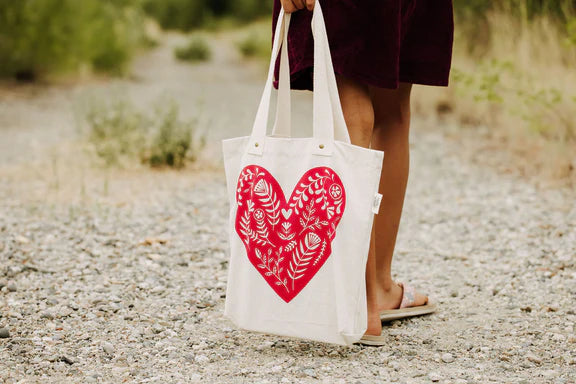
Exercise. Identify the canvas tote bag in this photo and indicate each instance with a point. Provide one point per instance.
(301, 213)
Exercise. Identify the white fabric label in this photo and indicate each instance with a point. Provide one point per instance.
(376, 203)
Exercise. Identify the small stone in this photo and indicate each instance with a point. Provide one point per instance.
(309, 372)
(65, 312)
(264, 346)
(67, 360)
(22, 239)
(533, 358)
(558, 337)
(418, 373)
(158, 290)
(74, 306)
(12, 287)
(200, 345)
(52, 301)
(433, 376)
(47, 315)
(189, 357)
(447, 358)
(549, 373)
(108, 348)
(454, 293)
(4, 333)
(201, 359)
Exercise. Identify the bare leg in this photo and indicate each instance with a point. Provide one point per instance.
(391, 135)
(359, 116)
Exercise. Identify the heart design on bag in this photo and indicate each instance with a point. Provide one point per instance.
(288, 241)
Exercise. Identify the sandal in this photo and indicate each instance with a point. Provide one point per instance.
(374, 341)
(407, 308)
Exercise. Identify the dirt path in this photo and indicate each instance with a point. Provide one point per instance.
(119, 276)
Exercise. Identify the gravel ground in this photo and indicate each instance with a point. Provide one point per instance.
(123, 279)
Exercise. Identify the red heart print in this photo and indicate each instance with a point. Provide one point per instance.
(288, 241)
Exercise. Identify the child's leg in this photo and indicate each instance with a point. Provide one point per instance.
(359, 116)
(391, 135)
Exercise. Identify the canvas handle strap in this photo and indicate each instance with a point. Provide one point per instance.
(328, 119)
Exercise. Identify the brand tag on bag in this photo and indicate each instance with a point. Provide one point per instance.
(376, 202)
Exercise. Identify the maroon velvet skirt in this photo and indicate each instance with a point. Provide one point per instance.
(377, 42)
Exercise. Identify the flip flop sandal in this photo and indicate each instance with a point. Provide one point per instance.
(407, 308)
(374, 341)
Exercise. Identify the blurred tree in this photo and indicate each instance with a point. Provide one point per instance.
(561, 9)
(40, 37)
(189, 14)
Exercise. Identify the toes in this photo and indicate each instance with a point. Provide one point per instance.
(420, 299)
(424, 299)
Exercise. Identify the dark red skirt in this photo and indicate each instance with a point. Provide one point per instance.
(377, 42)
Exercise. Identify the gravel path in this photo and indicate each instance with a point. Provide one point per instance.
(121, 277)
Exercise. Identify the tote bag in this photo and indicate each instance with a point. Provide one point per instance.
(301, 212)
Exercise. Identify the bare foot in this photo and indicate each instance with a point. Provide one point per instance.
(388, 299)
(391, 298)
(374, 323)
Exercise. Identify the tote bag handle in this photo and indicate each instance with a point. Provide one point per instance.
(328, 119)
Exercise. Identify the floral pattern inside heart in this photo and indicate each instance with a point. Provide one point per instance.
(288, 241)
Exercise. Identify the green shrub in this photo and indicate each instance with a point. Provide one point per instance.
(473, 24)
(171, 139)
(184, 15)
(116, 130)
(197, 49)
(40, 37)
(190, 14)
(121, 135)
(254, 46)
(526, 9)
(255, 40)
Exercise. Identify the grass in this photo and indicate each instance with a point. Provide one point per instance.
(517, 80)
(196, 50)
(254, 40)
(121, 135)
